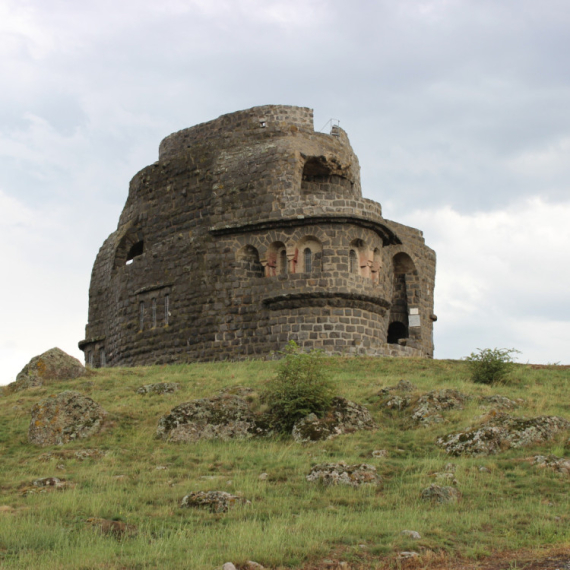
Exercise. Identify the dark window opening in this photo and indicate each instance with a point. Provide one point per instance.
(136, 250)
(141, 315)
(308, 254)
(102, 358)
(353, 261)
(397, 331)
(153, 313)
(283, 262)
(166, 308)
(321, 175)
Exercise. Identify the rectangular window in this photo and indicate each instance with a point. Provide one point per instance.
(166, 308)
(102, 358)
(153, 313)
(141, 315)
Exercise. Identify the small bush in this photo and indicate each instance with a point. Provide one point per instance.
(490, 366)
(300, 388)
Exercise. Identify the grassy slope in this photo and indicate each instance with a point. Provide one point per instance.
(289, 521)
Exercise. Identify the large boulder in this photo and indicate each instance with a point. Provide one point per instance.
(344, 416)
(342, 474)
(501, 433)
(50, 366)
(438, 494)
(63, 418)
(429, 406)
(226, 416)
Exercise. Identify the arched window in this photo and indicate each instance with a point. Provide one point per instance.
(308, 255)
(397, 331)
(135, 250)
(283, 262)
(353, 262)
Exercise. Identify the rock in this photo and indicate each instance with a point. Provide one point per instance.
(49, 482)
(45, 485)
(51, 366)
(414, 535)
(343, 417)
(501, 433)
(438, 494)
(428, 407)
(79, 454)
(498, 402)
(228, 566)
(216, 501)
(118, 529)
(66, 417)
(224, 417)
(445, 477)
(401, 386)
(343, 474)
(263, 477)
(379, 453)
(484, 469)
(398, 402)
(406, 555)
(251, 565)
(159, 388)
(559, 464)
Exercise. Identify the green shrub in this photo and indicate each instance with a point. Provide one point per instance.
(490, 366)
(300, 388)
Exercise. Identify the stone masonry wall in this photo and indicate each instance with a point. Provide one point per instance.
(251, 231)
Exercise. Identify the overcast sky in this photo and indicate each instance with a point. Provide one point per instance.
(458, 110)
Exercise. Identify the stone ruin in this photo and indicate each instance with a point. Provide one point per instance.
(251, 231)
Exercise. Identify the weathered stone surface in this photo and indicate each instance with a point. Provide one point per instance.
(63, 418)
(501, 433)
(413, 534)
(344, 416)
(79, 454)
(438, 494)
(221, 417)
(159, 388)
(401, 386)
(499, 402)
(558, 464)
(216, 501)
(343, 474)
(251, 231)
(45, 485)
(428, 407)
(52, 365)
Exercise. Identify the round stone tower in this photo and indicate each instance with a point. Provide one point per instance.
(248, 232)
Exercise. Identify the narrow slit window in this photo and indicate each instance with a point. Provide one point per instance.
(166, 308)
(308, 260)
(141, 315)
(102, 358)
(353, 260)
(90, 359)
(153, 313)
(283, 262)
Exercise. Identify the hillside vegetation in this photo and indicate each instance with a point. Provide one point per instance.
(506, 504)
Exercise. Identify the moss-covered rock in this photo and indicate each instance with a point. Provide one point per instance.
(501, 433)
(65, 417)
(215, 501)
(159, 388)
(51, 366)
(343, 474)
(344, 416)
(438, 494)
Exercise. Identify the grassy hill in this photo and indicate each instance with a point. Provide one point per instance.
(139, 480)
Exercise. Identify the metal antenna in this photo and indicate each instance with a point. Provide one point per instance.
(330, 122)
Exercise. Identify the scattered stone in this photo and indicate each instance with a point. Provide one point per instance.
(263, 477)
(118, 529)
(251, 565)
(159, 388)
(224, 417)
(63, 418)
(484, 469)
(414, 535)
(79, 454)
(343, 474)
(428, 407)
(45, 485)
(450, 467)
(51, 366)
(401, 386)
(501, 433)
(446, 477)
(398, 402)
(343, 417)
(379, 453)
(438, 494)
(406, 555)
(216, 501)
(228, 566)
(498, 402)
(559, 464)
(49, 482)
(160, 467)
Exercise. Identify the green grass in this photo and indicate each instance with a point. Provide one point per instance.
(289, 521)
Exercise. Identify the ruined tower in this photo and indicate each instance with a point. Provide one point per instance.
(248, 232)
